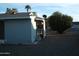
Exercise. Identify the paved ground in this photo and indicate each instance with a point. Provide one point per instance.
(54, 45)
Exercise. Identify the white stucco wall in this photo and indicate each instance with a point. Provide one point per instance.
(18, 31)
(33, 28)
(44, 28)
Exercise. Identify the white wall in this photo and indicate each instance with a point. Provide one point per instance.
(18, 31)
(33, 27)
(44, 28)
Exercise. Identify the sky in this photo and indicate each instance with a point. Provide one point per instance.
(45, 8)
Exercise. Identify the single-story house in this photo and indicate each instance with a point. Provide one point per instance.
(20, 28)
(75, 27)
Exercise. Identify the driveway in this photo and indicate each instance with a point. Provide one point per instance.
(54, 45)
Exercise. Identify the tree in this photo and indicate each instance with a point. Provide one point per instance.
(28, 7)
(59, 22)
(45, 16)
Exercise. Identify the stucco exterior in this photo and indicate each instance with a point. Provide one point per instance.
(20, 28)
(33, 29)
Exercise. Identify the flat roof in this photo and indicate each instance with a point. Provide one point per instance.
(39, 19)
(22, 15)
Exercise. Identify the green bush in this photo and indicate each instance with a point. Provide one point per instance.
(59, 22)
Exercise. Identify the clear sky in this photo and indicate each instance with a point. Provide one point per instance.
(45, 8)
